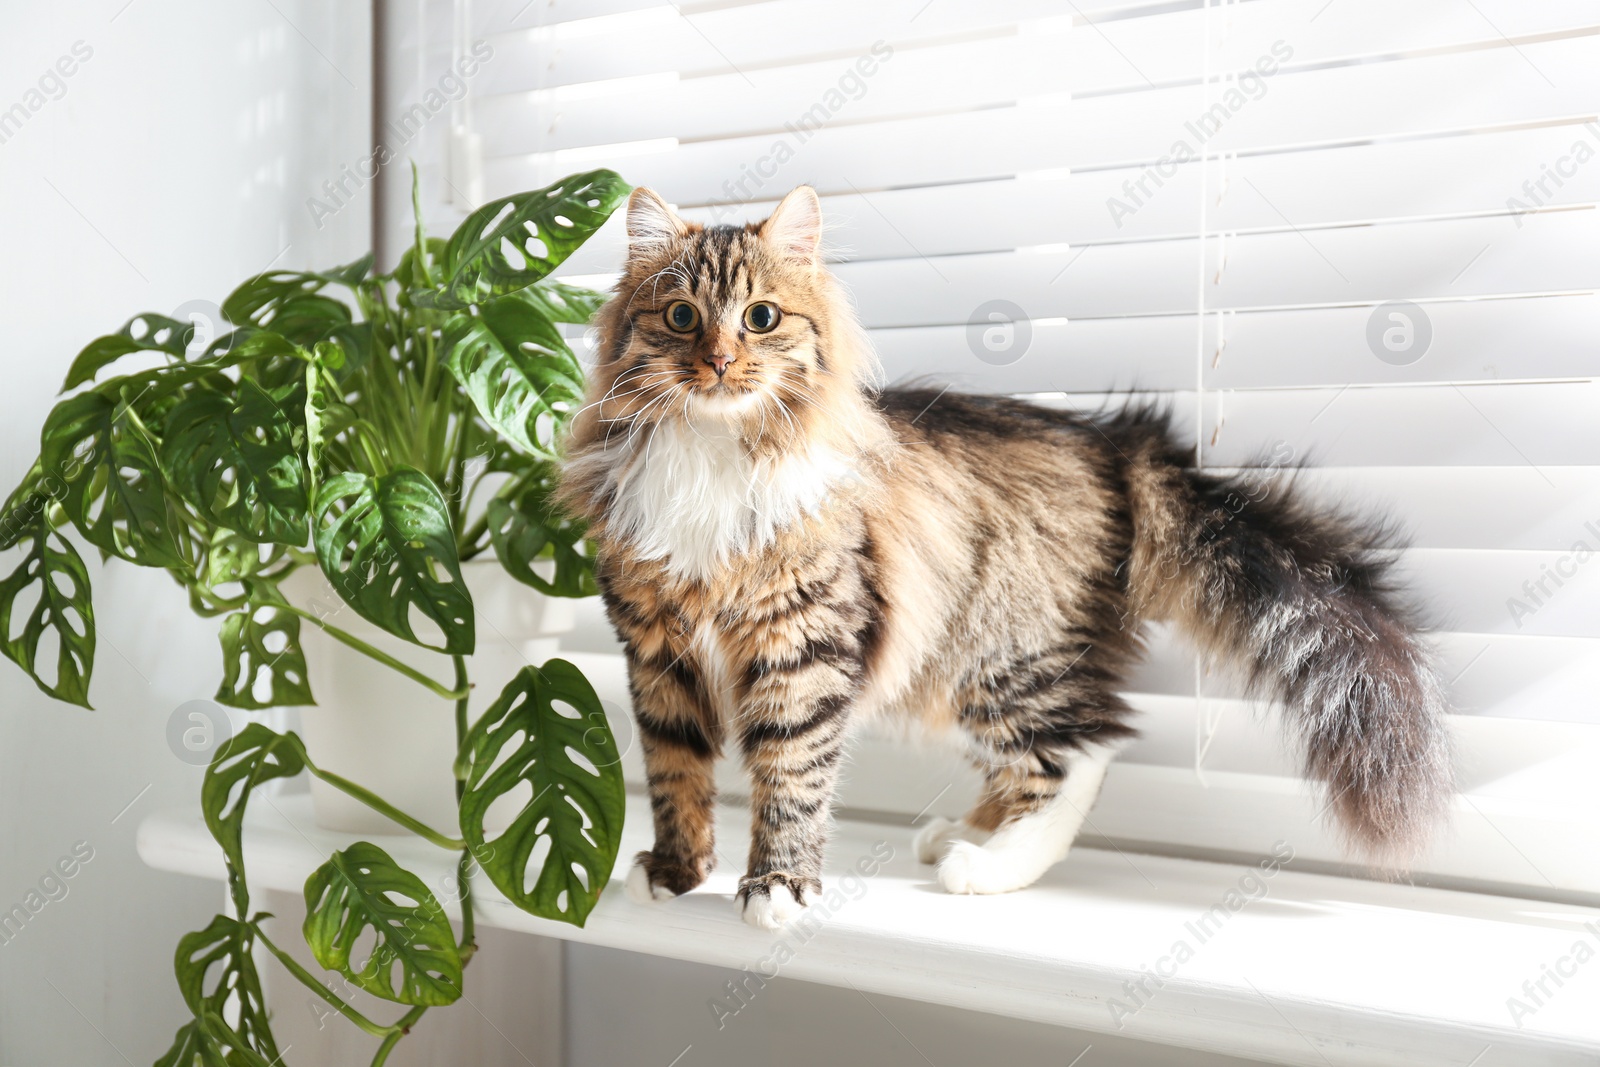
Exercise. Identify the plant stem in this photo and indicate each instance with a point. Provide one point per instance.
(469, 940)
(310, 982)
(468, 540)
(383, 807)
(384, 658)
(403, 1027)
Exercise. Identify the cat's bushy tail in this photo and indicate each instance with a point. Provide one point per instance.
(1299, 600)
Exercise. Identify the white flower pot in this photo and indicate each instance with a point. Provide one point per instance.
(386, 732)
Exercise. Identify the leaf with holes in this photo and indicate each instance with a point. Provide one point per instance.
(192, 1047)
(64, 605)
(529, 527)
(27, 505)
(387, 547)
(235, 460)
(262, 644)
(230, 558)
(517, 368)
(513, 242)
(571, 765)
(217, 974)
(247, 759)
(327, 415)
(113, 488)
(263, 296)
(204, 1043)
(560, 302)
(363, 889)
(142, 333)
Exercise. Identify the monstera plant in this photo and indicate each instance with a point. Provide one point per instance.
(382, 428)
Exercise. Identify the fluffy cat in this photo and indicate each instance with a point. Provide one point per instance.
(785, 550)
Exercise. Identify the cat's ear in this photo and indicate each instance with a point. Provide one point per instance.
(796, 225)
(652, 225)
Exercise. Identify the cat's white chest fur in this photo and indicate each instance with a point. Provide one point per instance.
(689, 494)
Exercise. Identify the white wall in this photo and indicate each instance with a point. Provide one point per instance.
(177, 161)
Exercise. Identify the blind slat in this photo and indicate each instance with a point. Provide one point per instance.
(1472, 341)
(1534, 82)
(1446, 259)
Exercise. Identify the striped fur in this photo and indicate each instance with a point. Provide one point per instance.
(785, 550)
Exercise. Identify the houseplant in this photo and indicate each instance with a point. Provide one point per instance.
(383, 438)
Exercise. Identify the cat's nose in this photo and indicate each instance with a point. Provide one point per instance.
(719, 362)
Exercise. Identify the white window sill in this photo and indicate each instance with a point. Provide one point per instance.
(1318, 970)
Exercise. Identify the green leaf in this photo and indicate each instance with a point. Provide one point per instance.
(305, 320)
(232, 558)
(217, 973)
(363, 888)
(142, 333)
(263, 639)
(560, 302)
(529, 526)
(193, 1046)
(209, 1042)
(263, 296)
(518, 370)
(326, 414)
(513, 242)
(290, 305)
(64, 605)
(352, 274)
(25, 507)
(406, 275)
(570, 761)
(247, 759)
(115, 493)
(234, 459)
(387, 547)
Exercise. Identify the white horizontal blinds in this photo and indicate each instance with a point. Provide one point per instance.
(1203, 202)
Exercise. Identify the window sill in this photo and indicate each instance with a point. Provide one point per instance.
(1316, 970)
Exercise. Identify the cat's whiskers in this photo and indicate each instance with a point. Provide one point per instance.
(654, 383)
(639, 417)
(612, 394)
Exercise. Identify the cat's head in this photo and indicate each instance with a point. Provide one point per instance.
(735, 325)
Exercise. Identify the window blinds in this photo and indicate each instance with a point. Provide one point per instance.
(1340, 232)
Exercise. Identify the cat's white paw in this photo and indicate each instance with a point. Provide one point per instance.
(970, 868)
(640, 891)
(772, 911)
(772, 906)
(930, 841)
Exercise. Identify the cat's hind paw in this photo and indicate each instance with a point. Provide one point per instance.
(640, 891)
(933, 839)
(970, 868)
(653, 879)
(772, 901)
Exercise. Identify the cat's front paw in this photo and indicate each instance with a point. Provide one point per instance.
(653, 878)
(771, 901)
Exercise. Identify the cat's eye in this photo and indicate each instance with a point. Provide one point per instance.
(682, 316)
(761, 316)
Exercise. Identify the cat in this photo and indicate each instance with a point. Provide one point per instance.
(784, 549)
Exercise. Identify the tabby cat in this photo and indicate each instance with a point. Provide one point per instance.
(785, 550)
